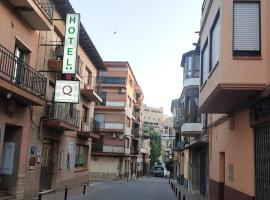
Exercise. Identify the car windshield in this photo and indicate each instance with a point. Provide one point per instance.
(159, 168)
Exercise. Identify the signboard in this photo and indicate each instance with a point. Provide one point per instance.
(71, 43)
(67, 91)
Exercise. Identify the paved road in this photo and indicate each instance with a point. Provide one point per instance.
(143, 189)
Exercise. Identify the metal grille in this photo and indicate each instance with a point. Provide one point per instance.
(262, 163)
(17, 72)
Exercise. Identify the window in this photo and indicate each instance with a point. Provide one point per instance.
(88, 77)
(189, 67)
(81, 156)
(19, 71)
(246, 29)
(204, 63)
(214, 42)
(79, 67)
(100, 118)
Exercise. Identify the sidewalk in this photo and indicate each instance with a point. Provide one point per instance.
(72, 193)
(189, 195)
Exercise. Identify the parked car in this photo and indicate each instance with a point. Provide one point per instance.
(160, 171)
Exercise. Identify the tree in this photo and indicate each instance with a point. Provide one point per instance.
(155, 143)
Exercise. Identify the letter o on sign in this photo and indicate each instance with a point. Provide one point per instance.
(71, 30)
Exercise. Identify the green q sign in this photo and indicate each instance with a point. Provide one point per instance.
(71, 43)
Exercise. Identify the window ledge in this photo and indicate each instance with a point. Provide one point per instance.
(80, 169)
(247, 57)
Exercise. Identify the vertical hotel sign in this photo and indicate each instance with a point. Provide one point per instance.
(71, 43)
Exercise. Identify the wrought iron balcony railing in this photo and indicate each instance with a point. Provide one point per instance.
(112, 80)
(63, 112)
(46, 6)
(101, 148)
(17, 72)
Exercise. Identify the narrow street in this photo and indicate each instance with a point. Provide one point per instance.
(143, 189)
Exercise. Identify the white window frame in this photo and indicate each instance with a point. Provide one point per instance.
(204, 63)
(214, 43)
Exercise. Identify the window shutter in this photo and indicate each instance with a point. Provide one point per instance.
(7, 158)
(246, 26)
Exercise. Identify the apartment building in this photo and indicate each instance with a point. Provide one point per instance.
(176, 113)
(191, 142)
(153, 117)
(234, 93)
(44, 145)
(21, 87)
(167, 139)
(116, 154)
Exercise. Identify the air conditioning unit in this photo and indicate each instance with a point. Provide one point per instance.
(121, 90)
(113, 135)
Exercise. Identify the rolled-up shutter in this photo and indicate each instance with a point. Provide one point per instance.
(246, 28)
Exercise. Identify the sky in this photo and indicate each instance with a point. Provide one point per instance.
(151, 35)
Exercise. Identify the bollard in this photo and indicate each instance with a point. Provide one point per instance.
(184, 197)
(84, 188)
(175, 191)
(39, 195)
(179, 195)
(66, 191)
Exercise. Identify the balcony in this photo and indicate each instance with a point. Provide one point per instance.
(22, 81)
(109, 81)
(37, 13)
(89, 128)
(113, 150)
(88, 89)
(135, 132)
(62, 116)
(112, 127)
(191, 129)
(105, 104)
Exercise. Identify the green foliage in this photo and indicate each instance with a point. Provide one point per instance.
(155, 142)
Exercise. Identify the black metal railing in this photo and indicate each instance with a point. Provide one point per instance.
(135, 132)
(89, 125)
(46, 6)
(112, 80)
(97, 147)
(134, 151)
(64, 112)
(17, 72)
(101, 148)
